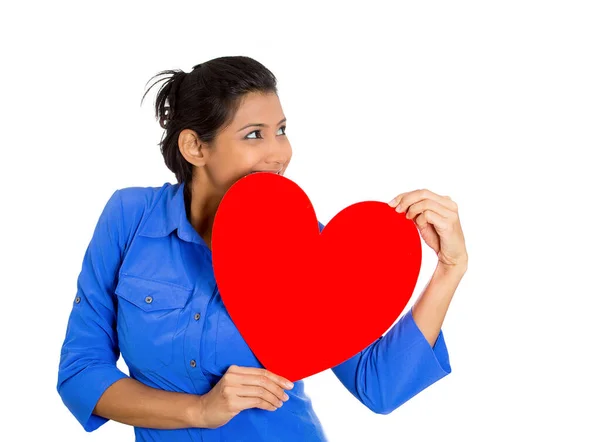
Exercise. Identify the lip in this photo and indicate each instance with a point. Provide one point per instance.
(276, 172)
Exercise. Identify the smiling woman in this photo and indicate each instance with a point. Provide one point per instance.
(240, 132)
(147, 289)
(223, 120)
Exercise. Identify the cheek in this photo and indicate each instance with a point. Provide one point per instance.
(231, 172)
(231, 167)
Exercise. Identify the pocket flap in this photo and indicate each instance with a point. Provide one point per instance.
(150, 294)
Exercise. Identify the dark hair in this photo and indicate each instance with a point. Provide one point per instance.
(204, 100)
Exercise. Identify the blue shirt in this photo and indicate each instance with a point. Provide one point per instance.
(147, 291)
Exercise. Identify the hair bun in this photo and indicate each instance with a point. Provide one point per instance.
(165, 117)
(168, 110)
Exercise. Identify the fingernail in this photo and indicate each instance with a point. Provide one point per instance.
(280, 403)
(285, 397)
(289, 385)
(391, 203)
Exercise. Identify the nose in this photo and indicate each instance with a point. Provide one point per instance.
(277, 156)
(275, 166)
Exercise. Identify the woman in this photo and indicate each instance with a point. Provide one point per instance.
(147, 288)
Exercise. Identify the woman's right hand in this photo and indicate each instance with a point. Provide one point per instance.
(240, 388)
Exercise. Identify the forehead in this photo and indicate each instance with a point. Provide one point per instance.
(260, 108)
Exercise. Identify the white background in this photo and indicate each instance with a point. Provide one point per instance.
(496, 104)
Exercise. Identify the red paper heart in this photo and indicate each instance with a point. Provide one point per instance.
(303, 301)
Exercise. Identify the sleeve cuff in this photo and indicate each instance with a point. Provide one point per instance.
(82, 392)
(438, 354)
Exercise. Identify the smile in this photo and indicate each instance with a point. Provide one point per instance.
(276, 172)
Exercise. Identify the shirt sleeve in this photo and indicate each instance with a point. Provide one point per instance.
(396, 367)
(90, 350)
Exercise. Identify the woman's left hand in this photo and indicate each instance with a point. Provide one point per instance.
(437, 220)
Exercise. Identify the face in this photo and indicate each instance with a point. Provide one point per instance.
(254, 141)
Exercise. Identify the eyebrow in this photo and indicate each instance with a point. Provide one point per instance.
(260, 124)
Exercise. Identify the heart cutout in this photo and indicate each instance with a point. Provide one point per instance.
(303, 300)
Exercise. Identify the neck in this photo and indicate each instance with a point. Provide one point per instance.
(201, 206)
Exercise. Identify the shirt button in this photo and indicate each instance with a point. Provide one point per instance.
(193, 363)
(148, 299)
(77, 300)
(197, 316)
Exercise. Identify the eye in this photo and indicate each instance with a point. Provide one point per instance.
(247, 137)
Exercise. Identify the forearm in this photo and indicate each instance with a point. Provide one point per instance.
(430, 308)
(407, 359)
(130, 402)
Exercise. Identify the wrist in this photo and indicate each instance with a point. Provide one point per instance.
(456, 271)
(194, 413)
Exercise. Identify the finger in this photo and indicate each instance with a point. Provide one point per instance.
(427, 204)
(264, 382)
(394, 202)
(250, 391)
(439, 223)
(283, 382)
(243, 403)
(421, 221)
(415, 196)
(409, 198)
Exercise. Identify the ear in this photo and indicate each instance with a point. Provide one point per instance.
(192, 148)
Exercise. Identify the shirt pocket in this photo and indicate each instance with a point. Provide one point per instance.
(148, 316)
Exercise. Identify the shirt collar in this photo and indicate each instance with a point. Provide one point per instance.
(169, 214)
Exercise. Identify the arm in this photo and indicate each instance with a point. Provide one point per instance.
(405, 361)
(89, 382)
(410, 357)
(430, 309)
(130, 402)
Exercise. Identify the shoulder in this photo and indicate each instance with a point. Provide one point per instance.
(138, 201)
